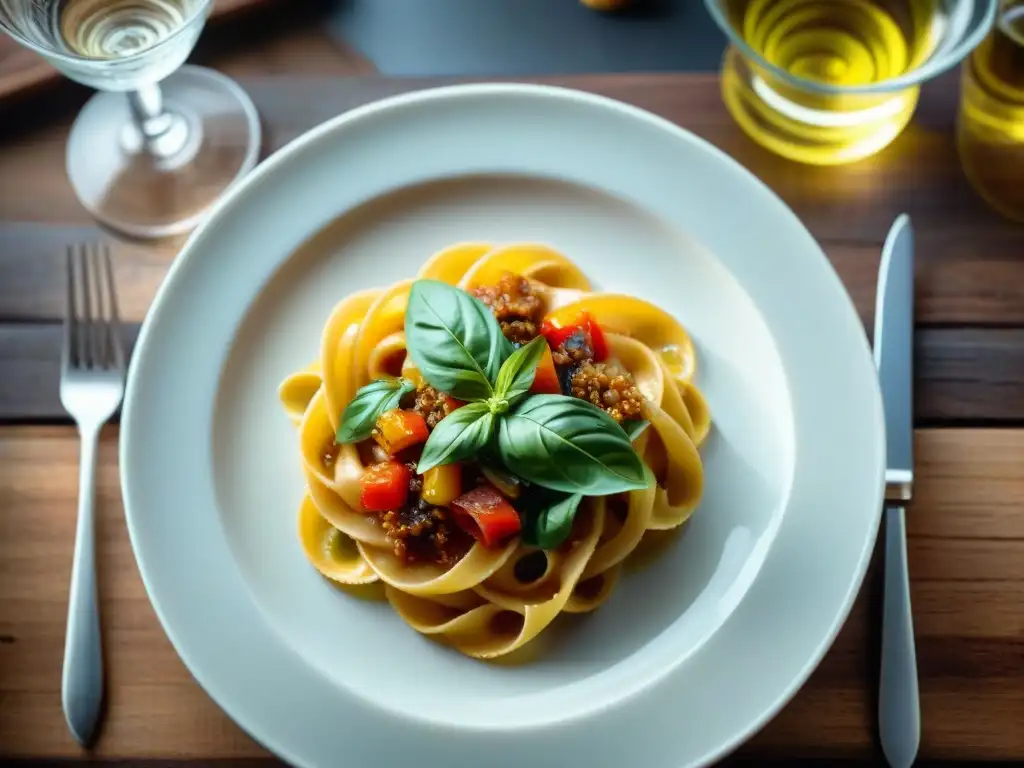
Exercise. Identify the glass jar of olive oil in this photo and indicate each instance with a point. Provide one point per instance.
(990, 124)
(827, 82)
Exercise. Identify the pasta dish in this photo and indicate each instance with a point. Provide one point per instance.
(492, 439)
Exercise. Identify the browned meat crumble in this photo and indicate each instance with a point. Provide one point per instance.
(578, 348)
(431, 405)
(608, 386)
(516, 307)
(423, 533)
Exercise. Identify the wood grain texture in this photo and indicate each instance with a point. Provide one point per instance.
(965, 276)
(978, 289)
(963, 377)
(969, 265)
(918, 174)
(966, 559)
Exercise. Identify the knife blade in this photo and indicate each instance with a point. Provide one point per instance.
(899, 714)
(894, 355)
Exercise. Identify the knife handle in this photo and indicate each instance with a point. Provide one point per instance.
(899, 713)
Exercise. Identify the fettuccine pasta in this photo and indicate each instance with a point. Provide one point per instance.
(470, 552)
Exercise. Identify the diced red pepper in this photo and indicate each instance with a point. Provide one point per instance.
(397, 430)
(598, 339)
(486, 515)
(545, 377)
(384, 487)
(555, 333)
(584, 325)
(452, 403)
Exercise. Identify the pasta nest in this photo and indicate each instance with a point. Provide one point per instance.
(479, 606)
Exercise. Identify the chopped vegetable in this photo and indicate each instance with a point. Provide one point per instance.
(442, 485)
(397, 430)
(384, 486)
(509, 485)
(486, 515)
(580, 333)
(414, 375)
(545, 376)
(598, 339)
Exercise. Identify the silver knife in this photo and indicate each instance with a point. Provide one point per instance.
(899, 713)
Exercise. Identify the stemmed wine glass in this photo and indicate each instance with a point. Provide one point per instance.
(160, 142)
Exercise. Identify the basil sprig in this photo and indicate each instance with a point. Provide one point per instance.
(564, 448)
(454, 340)
(370, 402)
(465, 432)
(556, 442)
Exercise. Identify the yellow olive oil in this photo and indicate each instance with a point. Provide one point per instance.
(990, 127)
(836, 44)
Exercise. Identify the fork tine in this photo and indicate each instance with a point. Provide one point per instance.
(94, 291)
(113, 318)
(101, 328)
(86, 357)
(69, 354)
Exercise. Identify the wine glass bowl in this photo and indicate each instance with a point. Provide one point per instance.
(104, 45)
(160, 142)
(827, 82)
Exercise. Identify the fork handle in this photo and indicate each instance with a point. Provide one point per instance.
(899, 713)
(82, 682)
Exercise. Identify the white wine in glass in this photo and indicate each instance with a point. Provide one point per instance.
(160, 142)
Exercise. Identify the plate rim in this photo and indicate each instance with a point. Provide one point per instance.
(431, 94)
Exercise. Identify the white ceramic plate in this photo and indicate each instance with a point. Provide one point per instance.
(693, 652)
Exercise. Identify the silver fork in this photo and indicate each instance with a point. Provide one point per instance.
(91, 388)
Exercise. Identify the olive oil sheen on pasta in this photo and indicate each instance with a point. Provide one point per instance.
(838, 44)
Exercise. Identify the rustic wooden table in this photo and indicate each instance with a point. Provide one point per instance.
(966, 524)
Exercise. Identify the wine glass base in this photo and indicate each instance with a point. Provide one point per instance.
(165, 188)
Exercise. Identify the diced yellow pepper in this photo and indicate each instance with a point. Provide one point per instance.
(442, 485)
(397, 430)
(413, 374)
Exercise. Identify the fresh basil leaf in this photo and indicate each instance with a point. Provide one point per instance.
(516, 375)
(454, 340)
(458, 436)
(635, 427)
(569, 445)
(549, 525)
(370, 401)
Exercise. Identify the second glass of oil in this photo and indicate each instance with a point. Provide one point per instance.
(827, 82)
(990, 125)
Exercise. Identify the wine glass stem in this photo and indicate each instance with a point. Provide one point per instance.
(160, 132)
